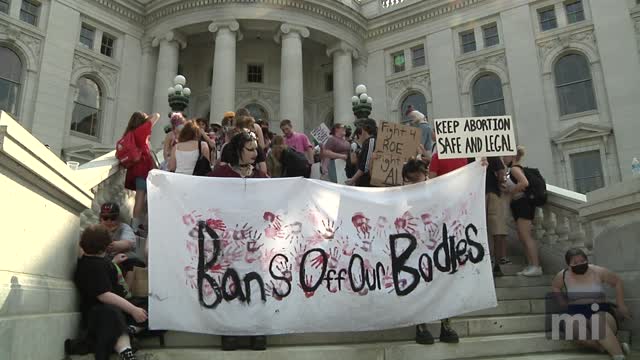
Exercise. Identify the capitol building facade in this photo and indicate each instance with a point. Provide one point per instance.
(568, 71)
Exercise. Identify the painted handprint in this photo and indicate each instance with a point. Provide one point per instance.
(328, 229)
(295, 232)
(361, 223)
(277, 292)
(253, 247)
(348, 249)
(298, 253)
(308, 281)
(241, 233)
(274, 220)
(216, 224)
(381, 227)
(406, 223)
(334, 259)
(366, 243)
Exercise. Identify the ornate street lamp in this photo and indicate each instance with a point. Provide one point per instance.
(179, 95)
(362, 103)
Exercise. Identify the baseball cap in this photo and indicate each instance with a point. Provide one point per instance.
(109, 209)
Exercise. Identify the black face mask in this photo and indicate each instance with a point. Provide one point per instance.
(580, 269)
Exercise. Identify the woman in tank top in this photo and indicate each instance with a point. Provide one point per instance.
(185, 153)
(579, 290)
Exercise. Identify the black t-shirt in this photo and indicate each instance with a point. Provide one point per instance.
(95, 276)
(364, 161)
(226, 153)
(493, 183)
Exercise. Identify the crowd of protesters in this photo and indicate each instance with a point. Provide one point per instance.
(242, 147)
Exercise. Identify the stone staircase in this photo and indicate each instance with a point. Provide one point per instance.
(512, 330)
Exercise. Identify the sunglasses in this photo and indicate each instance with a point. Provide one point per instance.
(109, 217)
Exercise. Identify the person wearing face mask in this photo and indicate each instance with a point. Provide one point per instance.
(580, 288)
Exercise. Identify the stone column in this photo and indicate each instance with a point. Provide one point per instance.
(223, 84)
(342, 81)
(360, 71)
(291, 89)
(149, 62)
(168, 56)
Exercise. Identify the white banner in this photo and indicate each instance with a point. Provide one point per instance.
(475, 137)
(275, 256)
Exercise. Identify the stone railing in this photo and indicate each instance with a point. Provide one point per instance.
(558, 226)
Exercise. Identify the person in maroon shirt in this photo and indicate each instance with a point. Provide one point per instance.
(242, 153)
(136, 178)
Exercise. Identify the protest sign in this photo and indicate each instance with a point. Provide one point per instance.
(475, 137)
(321, 134)
(395, 144)
(238, 260)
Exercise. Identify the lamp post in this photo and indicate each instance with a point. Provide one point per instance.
(362, 103)
(179, 94)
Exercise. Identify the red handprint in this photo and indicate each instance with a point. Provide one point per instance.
(295, 231)
(298, 254)
(381, 227)
(274, 220)
(216, 224)
(274, 291)
(241, 233)
(335, 257)
(308, 281)
(361, 223)
(328, 230)
(253, 247)
(406, 223)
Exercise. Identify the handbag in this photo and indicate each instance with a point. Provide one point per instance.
(202, 167)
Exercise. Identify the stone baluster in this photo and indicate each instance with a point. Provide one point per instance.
(562, 227)
(576, 234)
(549, 223)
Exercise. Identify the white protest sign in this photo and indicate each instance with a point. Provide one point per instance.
(475, 137)
(251, 256)
(321, 134)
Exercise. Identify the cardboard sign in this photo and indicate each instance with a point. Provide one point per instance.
(475, 137)
(321, 134)
(237, 260)
(395, 144)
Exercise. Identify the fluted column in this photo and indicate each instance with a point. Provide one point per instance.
(223, 83)
(149, 63)
(167, 69)
(291, 84)
(342, 81)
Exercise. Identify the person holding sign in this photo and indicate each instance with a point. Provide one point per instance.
(523, 211)
(420, 121)
(363, 175)
(415, 172)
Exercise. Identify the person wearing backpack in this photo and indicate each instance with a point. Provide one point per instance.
(136, 136)
(188, 151)
(523, 210)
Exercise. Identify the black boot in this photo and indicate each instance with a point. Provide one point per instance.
(423, 336)
(127, 354)
(447, 334)
(259, 342)
(497, 271)
(229, 343)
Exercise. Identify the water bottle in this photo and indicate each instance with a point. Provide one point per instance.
(635, 167)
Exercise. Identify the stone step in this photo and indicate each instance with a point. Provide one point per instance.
(518, 293)
(522, 281)
(489, 347)
(464, 326)
(565, 355)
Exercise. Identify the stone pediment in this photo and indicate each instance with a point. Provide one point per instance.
(581, 131)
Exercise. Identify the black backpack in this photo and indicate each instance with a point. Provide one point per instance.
(295, 164)
(203, 166)
(537, 189)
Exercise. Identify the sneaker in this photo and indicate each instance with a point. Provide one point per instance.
(505, 261)
(625, 348)
(127, 354)
(497, 272)
(259, 343)
(531, 271)
(423, 335)
(447, 334)
(229, 343)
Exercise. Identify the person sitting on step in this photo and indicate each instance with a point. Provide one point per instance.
(579, 290)
(107, 313)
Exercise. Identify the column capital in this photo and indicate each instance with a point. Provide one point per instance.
(232, 25)
(343, 47)
(170, 36)
(290, 29)
(146, 44)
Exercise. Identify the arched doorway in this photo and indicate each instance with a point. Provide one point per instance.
(415, 101)
(258, 111)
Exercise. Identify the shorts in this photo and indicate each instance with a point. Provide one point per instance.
(522, 209)
(141, 183)
(496, 215)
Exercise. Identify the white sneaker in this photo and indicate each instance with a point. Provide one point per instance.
(531, 271)
(626, 349)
